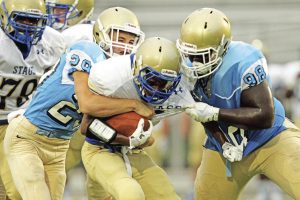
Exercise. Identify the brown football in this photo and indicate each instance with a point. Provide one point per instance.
(126, 123)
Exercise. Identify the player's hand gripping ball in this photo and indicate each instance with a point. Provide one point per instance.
(134, 126)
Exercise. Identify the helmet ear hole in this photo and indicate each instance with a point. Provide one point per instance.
(226, 45)
(80, 13)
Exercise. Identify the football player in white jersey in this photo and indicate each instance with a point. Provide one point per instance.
(156, 70)
(110, 31)
(66, 13)
(28, 48)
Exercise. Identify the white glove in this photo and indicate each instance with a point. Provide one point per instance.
(140, 136)
(231, 152)
(15, 114)
(202, 112)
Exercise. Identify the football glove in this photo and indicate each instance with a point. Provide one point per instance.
(231, 152)
(140, 136)
(15, 114)
(202, 112)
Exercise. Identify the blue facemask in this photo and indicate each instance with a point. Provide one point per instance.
(145, 83)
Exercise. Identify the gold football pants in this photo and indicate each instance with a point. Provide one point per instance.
(37, 162)
(148, 181)
(279, 160)
(5, 175)
(74, 152)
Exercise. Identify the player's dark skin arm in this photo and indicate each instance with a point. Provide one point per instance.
(257, 109)
(87, 119)
(214, 129)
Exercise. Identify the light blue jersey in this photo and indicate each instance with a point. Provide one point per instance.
(54, 108)
(243, 67)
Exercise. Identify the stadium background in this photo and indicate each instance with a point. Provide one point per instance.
(274, 22)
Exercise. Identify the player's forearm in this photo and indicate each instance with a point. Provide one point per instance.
(87, 120)
(215, 131)
(98, 105)
(121, 139)
(247, 118)
(101, 106)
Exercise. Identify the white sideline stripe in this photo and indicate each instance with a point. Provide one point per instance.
(230, 95)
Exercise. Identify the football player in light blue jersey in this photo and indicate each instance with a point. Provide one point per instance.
(40, 139)
(58, 113)
(231, 85)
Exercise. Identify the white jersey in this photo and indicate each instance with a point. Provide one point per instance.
(19, 76)
(78, 32)
(114, 78)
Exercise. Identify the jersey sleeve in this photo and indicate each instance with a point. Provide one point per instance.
(78, 61)
(54, 42)
(253, 72)
(81, 57)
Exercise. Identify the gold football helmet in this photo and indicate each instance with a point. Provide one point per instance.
(204, 39)
(65, 13)
(23, 21)
(156, 70)
(110, 23)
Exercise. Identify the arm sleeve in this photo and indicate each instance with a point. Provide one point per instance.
(254, 74)
(78, 61)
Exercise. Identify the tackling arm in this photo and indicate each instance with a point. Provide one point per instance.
(230, 152)
(102, 106)
(257, 109)
(215, 131)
